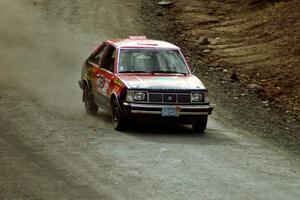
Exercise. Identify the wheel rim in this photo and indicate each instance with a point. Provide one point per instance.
(115, 114)
(87, 105)
(86, 100)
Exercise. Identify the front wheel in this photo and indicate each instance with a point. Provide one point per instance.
(90, 107)
(200, 126)
(117, 117)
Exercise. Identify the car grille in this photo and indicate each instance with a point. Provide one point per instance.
(169, 98)
(155, 98)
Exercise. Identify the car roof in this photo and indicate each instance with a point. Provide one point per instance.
(140, 42)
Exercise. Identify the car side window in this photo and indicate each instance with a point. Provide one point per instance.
(97, 57)
(109, 57)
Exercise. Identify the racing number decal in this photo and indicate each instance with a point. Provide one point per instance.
(105, 87)
(101, 81)
(103, 84)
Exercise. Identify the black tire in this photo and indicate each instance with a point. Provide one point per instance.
(118, 118)
(90, 107)
(200, 126)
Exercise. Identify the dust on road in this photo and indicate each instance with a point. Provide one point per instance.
(50, 149)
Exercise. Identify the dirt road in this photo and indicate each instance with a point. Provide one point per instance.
(50, 149)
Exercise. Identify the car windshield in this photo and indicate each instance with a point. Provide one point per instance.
(151, 61)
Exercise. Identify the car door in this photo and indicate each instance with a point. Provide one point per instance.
(93, 67)
(104, 76)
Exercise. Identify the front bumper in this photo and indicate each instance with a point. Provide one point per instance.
(155, 109)
(152, 113)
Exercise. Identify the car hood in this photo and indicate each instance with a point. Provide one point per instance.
(189, 82)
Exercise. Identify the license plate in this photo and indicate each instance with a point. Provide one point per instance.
(171, 111)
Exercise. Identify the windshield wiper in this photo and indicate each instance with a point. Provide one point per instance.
(133, 71)
(173, 72)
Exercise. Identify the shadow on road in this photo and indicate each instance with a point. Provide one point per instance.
(172, 134)
(104, 116)
(179, 134)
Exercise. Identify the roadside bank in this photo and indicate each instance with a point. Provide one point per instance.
(238, 92)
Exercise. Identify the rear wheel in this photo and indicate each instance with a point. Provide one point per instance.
(117, 117)
(90, 107)
(200, 126)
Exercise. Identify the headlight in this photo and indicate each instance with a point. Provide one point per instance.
(140, 96)
(197, 97)
(136, 96)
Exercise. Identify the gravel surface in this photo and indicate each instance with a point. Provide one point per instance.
(50, 149)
